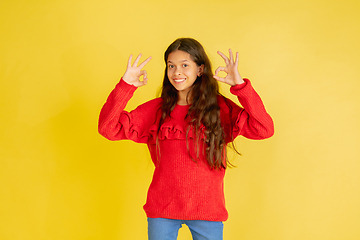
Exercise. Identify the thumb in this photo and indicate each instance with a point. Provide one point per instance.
(220, 79)
(142, 83)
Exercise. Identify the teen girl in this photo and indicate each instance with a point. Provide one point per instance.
(186, 130)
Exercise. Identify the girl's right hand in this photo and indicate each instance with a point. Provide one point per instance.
(134, 72)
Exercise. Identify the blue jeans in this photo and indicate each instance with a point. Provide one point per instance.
(167, 229)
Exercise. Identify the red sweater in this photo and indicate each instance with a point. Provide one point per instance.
(182, 188)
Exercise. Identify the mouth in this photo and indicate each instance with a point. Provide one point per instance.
(179, 80)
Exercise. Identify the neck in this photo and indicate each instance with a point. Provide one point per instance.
(183, 99)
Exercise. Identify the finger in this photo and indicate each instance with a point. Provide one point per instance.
(237, 59)
(224, 57)
(137, 60)
(220, 79)
(144, 73)
(219, 69)
(129, 61)
(231, 56)
(145, 62)
(142, 83)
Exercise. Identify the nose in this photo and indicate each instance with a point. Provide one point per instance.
(177, 71)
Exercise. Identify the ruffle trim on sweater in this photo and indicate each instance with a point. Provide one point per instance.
(173, 131)
(168, 130)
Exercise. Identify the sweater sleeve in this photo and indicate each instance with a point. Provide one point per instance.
(251, 120)
(116, 124)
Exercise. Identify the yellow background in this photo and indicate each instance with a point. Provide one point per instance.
(60, 59)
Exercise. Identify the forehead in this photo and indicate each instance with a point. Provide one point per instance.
(179, 56)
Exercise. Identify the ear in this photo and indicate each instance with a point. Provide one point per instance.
(200, 70)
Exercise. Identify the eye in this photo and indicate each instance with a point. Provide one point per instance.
(171, 66)
(185, 65)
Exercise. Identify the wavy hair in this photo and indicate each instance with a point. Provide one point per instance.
(204, 109)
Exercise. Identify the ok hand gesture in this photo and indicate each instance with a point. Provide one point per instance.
(134, 72)
(233, 77)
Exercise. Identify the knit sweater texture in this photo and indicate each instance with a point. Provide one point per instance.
(183, 185)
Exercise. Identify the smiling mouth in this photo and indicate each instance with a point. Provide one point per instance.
(179, 80)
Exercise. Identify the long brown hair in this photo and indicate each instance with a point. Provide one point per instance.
(204, 109)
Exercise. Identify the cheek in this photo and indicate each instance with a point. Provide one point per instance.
(169, 72)
(193, 73)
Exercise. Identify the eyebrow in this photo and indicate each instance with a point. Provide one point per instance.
(185, 60)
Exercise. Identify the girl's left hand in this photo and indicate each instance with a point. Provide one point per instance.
(233, 76)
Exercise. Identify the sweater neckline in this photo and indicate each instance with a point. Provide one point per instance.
(188, 105)
(183, 106)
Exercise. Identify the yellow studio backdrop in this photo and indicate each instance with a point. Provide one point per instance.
(59, 60)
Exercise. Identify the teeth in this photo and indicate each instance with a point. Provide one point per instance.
(179, 80)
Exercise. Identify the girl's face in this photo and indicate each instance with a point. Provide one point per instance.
(182, 71)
